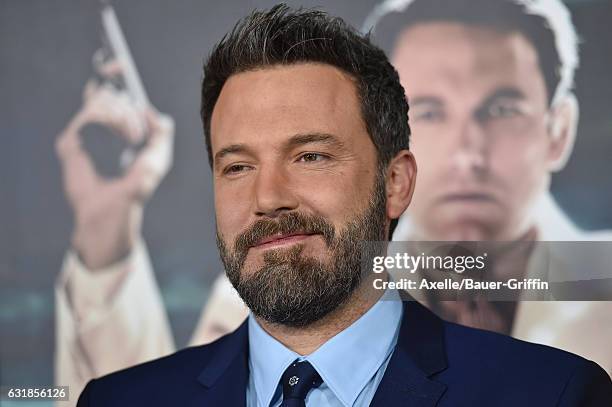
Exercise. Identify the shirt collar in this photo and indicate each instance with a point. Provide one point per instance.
(268, 359)
(346, 362)
(349, 360)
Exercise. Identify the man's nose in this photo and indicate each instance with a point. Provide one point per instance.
(273, 192)
(471, 152)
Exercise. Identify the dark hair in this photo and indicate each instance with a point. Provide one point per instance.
(500, 15)
(282, 36)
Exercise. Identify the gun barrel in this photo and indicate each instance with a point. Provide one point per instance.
(121, 50)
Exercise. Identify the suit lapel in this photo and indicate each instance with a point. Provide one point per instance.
(225, 377)
(418, 355)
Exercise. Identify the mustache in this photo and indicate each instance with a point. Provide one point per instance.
(293, 222)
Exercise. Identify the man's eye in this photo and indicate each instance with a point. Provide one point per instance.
(432, 116)
(501, 110)
(312, 157)
(235, 169)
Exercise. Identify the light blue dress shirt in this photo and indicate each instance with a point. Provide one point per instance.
(352, 363)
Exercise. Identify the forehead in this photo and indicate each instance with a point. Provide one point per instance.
(447, 57)
(266, 105)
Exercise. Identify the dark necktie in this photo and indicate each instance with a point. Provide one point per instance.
(298, 380)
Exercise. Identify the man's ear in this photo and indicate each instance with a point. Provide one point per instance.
(400, 181)
(562, 130)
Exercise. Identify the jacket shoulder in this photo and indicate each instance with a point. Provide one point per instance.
(532, 370)
(162, 381)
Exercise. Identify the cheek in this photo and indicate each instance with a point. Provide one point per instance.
(336, 196)
(431, 164)
(521, 163)
(232, 211)
(425, 142)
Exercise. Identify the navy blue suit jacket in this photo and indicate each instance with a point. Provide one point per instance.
(435, 363)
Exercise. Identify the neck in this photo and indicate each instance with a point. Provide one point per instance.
(305, 340)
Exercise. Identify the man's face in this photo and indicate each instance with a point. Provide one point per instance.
(296, 186)
(478, 113)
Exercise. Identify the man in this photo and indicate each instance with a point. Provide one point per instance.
(107, 285)
(493, 116)
(106, 242)
(524, 193)
(305, 125)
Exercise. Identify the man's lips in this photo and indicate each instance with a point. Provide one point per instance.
(281, 239)
(468, 196)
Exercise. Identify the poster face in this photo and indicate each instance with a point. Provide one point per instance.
(76, 141)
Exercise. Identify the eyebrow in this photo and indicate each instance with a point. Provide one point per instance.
(231, 149)
(421, 100)
(507, 92)
(308, 138)
(294, 141)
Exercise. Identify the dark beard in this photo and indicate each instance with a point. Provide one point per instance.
(294, 290)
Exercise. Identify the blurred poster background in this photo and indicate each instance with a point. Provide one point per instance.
(46, 51)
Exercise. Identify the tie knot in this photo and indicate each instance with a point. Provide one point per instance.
(298, 380)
